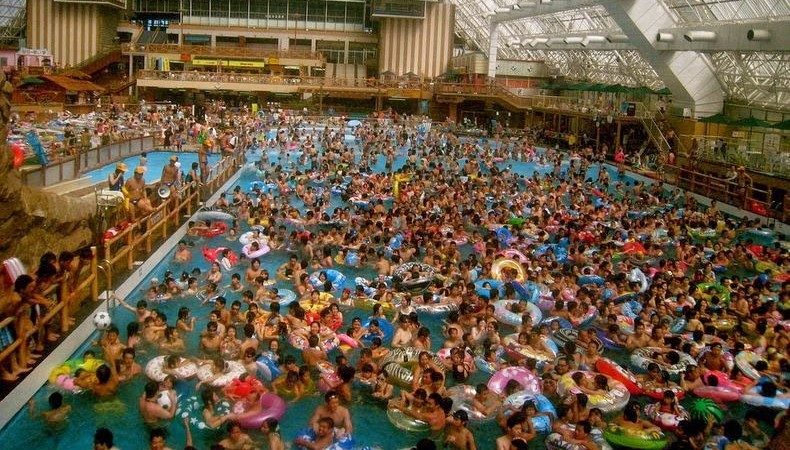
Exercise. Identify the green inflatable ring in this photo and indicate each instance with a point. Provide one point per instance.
(722, 291)
(632, 438)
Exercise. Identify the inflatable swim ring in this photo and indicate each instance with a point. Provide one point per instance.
(608, 367)
(635, 438)
(641, 357)
(333, 276)
(521, 375)
(233, 370)
(745, 361)
(153, 369)
(503, 313)
(405, 422)
(414, 285)
(542, 424)
(502, 264)
(462, 396)
(614, 400)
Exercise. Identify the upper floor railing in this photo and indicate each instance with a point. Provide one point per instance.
(222, 51)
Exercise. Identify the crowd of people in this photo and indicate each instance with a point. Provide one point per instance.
(451, 230)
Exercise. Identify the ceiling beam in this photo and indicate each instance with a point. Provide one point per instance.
(524, 9)
(761, 36)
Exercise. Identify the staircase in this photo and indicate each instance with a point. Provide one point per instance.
(101, 60)
(657, 136)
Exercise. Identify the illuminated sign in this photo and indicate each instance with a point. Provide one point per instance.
(228, 63)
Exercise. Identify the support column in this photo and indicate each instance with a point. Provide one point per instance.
(345, 52)
(597, 138)
(453, 112)
(213, 41)
(493, 48)
(617, 136)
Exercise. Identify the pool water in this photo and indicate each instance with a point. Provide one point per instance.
(122, 416)
(156, 160)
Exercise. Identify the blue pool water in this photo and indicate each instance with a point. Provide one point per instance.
(156, 160)
(122, 415)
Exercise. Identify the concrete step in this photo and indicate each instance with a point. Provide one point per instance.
(66, 187)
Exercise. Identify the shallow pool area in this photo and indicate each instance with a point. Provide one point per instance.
(121, 414)
(155, 161)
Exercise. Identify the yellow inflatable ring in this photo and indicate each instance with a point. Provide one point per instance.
(507, 264)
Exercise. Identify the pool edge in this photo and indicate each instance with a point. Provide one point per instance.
(20, 395)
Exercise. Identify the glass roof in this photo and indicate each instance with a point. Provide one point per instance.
(12, 21)
(746, 76)
(708, 11)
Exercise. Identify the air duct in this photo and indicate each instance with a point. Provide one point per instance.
(700, 36)
(758, 35)
(617, 38)
(665, 37)
(593, 40)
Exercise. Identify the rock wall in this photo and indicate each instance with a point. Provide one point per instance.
(32, 221)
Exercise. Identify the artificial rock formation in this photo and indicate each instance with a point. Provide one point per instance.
(32, 221)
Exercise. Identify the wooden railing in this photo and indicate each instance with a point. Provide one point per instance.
(121, 250)
(67, 301)
(744, 196)
(222, 51)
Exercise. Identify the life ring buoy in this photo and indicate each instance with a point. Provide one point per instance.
(268, 369)
(233, 370)
(212, 254)
(608, 367)
(521, 375)
(417, 285)
(249, 237)
(503, 312)
(216, 229)
(386, 327)
(754, 397)
(718, 394)
(249, 253)
(462, 396)
(564, 335)
(272, 407)
(745, 361)
(336, 278)
(503, 264)
(632, 437)
(153, 369)
(642, 357)
(615, 398)
(405, 422)
(398, 364)
(541, 423)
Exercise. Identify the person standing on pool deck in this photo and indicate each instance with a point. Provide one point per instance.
(203, 160)
(335, 411)
(115, 179)
(169, 173)
(134, 190)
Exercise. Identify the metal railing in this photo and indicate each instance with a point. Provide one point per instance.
(730, 151)
(71, 167)
(740, 193)
(222, 51)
